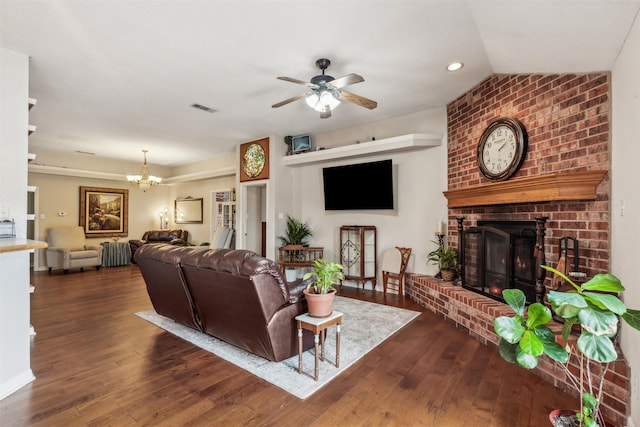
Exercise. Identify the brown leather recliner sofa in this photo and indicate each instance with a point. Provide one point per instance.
(234, 295)
(171, 237)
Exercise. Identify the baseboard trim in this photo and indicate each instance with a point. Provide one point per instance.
(16, 383)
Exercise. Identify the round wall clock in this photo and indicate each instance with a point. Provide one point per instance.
(502, 149)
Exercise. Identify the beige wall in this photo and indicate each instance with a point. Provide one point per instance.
(58, 193)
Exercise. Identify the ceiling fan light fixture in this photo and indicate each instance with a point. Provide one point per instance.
(323, 99)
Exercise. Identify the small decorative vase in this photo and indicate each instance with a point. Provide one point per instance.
(320, 305)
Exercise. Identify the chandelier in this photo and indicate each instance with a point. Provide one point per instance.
(144, 180)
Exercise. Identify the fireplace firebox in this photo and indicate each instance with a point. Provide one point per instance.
(499, 255)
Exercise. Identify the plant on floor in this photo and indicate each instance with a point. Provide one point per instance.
(596, 308)
(325, 274)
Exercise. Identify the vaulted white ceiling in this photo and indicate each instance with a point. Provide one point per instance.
(115, 77)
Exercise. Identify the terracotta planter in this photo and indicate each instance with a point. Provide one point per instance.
(563, 418)
(320, 305)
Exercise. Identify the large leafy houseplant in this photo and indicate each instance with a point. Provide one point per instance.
(596, 308)
(325, 274)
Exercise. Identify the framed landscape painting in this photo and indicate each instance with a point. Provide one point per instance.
(104, 212)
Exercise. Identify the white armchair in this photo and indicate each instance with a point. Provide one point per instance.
(68, 249)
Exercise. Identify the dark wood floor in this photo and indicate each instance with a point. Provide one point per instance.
(96, 363)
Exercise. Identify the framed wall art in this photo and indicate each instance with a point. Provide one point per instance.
(104, 212)
(254, 160)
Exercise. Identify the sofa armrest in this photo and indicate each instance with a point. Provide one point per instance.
(178, 242)
(296, 289)
(97, 248)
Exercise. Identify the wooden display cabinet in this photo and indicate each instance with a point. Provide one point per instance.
(358, 253)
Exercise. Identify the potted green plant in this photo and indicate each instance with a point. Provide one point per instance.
(320, 292)
(297, 233)
(446, 258)
(593, 306)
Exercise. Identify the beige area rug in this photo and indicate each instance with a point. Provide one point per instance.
(364, 326)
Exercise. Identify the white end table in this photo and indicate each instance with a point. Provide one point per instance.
(319, 326)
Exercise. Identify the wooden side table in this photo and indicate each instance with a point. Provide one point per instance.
(319, 326)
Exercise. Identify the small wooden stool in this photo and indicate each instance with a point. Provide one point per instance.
(319, 326)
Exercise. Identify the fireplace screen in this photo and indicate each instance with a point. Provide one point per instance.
(500, 255)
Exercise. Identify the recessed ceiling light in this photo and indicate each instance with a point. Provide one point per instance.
(455, 66)
(203, 108)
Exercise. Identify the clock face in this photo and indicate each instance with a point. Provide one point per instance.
(502, 149)
(499, 150)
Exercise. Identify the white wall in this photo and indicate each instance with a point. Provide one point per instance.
(15, 363)
(625, 215)
(421, 177)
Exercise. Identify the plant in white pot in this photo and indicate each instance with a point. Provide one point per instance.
(320, 292)
(595, 307)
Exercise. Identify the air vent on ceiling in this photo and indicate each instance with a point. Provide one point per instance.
(203, 108)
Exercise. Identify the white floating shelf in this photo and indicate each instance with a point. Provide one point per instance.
(415, 141)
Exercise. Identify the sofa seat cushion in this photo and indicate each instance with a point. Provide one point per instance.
(90, 253)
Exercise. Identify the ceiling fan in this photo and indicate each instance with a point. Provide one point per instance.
(326, 92)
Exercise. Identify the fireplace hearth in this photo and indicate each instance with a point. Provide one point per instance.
(496, 255)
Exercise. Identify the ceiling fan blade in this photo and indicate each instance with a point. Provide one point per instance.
(292, 80)
(347, 80)
(326, 113)
(286, 101)
(357, 99)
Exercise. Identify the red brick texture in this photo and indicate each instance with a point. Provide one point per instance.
(567, 118)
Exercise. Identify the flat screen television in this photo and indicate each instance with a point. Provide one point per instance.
(358, 186)
(300, 143)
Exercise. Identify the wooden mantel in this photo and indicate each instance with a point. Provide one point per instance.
(544, 188)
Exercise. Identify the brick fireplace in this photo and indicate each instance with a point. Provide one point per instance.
(564, 177)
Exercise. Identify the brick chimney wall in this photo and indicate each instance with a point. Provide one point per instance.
(567, 118)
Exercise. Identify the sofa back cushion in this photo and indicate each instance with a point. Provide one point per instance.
(66, 236)
(236, 293)
(165, 235)
(166, 286)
